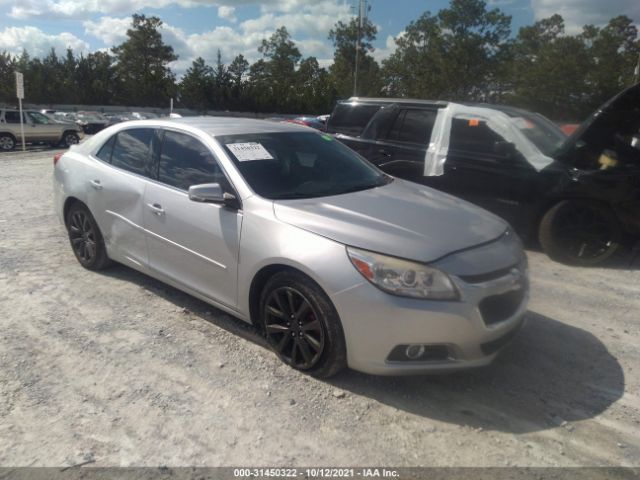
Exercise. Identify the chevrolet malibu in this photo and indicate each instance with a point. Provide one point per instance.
(337, 263)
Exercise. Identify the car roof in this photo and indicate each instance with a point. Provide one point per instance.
(399, 101)
(216, 126)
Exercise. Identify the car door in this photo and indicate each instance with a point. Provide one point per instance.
(485, 169)
(42, 128)
(116, 183)
(12, 123)
(400, 151)
(191, 243)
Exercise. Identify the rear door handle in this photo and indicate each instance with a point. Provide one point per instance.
(96, 184)
(156, 208)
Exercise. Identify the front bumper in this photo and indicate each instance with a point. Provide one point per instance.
(462, 334)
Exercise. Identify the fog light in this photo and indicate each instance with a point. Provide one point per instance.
(414, 351)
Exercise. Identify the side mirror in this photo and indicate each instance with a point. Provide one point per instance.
(504, 149)
(212, 193)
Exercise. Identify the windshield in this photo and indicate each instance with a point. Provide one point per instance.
(287, 165)
(543, 133)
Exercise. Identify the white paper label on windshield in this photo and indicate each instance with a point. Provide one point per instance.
(245, 152)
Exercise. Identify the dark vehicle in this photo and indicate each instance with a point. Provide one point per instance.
(312, 122)
(579, 195)
(92, 122)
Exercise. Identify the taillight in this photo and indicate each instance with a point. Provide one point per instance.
(56, 157)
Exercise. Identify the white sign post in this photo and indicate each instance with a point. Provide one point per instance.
(20, 95)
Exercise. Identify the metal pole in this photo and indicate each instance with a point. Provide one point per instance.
(355, 72)
(21, 124)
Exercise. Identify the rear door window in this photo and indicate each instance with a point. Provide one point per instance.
(104, 153)
(351, 119)
(413, 126)
(12, 117)
(131, 151)
(186, 161)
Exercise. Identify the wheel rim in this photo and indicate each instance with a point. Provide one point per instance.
(71, 139)
(584, 232)
(83, 237)
(293, 328)
(6, 143)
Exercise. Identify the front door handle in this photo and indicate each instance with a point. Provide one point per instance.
(96, 184)
(384, 153)
(156, 208)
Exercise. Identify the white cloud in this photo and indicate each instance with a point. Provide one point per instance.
(390, 47)
(111, 31)
(83, 9)
(308, 22)
(227, 13)
(577, 13)
(37, 43)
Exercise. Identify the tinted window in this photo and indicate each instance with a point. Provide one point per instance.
(473, 136)
(131, 150)
(12, 117)
(416, 126)
(299, 165)
(351, 119)
(105, 151)
(39, 118)
(185, 161)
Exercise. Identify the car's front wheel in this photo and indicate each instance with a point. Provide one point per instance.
(580, 232)
(301, 325)
(7, 142)
(86, 239)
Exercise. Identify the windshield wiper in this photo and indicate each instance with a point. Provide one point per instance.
(357, 188)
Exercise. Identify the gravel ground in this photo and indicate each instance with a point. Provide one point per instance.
(118, 369)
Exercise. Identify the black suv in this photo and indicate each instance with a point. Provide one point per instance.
(580, 195)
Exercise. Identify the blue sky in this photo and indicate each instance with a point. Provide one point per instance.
(199, 27)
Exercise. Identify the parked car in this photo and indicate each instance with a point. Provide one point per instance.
(92, 122)
(579, 195)
(312, 122)
(286, 228)
(38, 128)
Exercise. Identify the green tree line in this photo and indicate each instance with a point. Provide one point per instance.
(465, 52)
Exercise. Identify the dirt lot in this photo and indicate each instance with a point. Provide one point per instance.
(119, 369)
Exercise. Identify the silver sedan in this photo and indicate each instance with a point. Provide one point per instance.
(284, 227)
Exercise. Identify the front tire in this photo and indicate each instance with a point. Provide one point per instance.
(301, 325)
(579, 232)
(86, 239)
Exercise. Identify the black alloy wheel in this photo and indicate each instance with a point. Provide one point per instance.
(293, 328)
(85, 238)
(580, 233)
(301, 324)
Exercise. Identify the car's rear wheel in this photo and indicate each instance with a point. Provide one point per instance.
(70, 138)
(301, 325)
(7, 142)
(579, 232)
(86, 239)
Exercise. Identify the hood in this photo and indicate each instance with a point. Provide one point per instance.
(400, 219)
(616, 115)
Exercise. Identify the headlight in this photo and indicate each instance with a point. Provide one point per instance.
(403, 277)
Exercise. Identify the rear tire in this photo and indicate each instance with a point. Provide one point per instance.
(70, 138)
(302, 326)
(7, 142)
(580, 232)
(85, 238)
